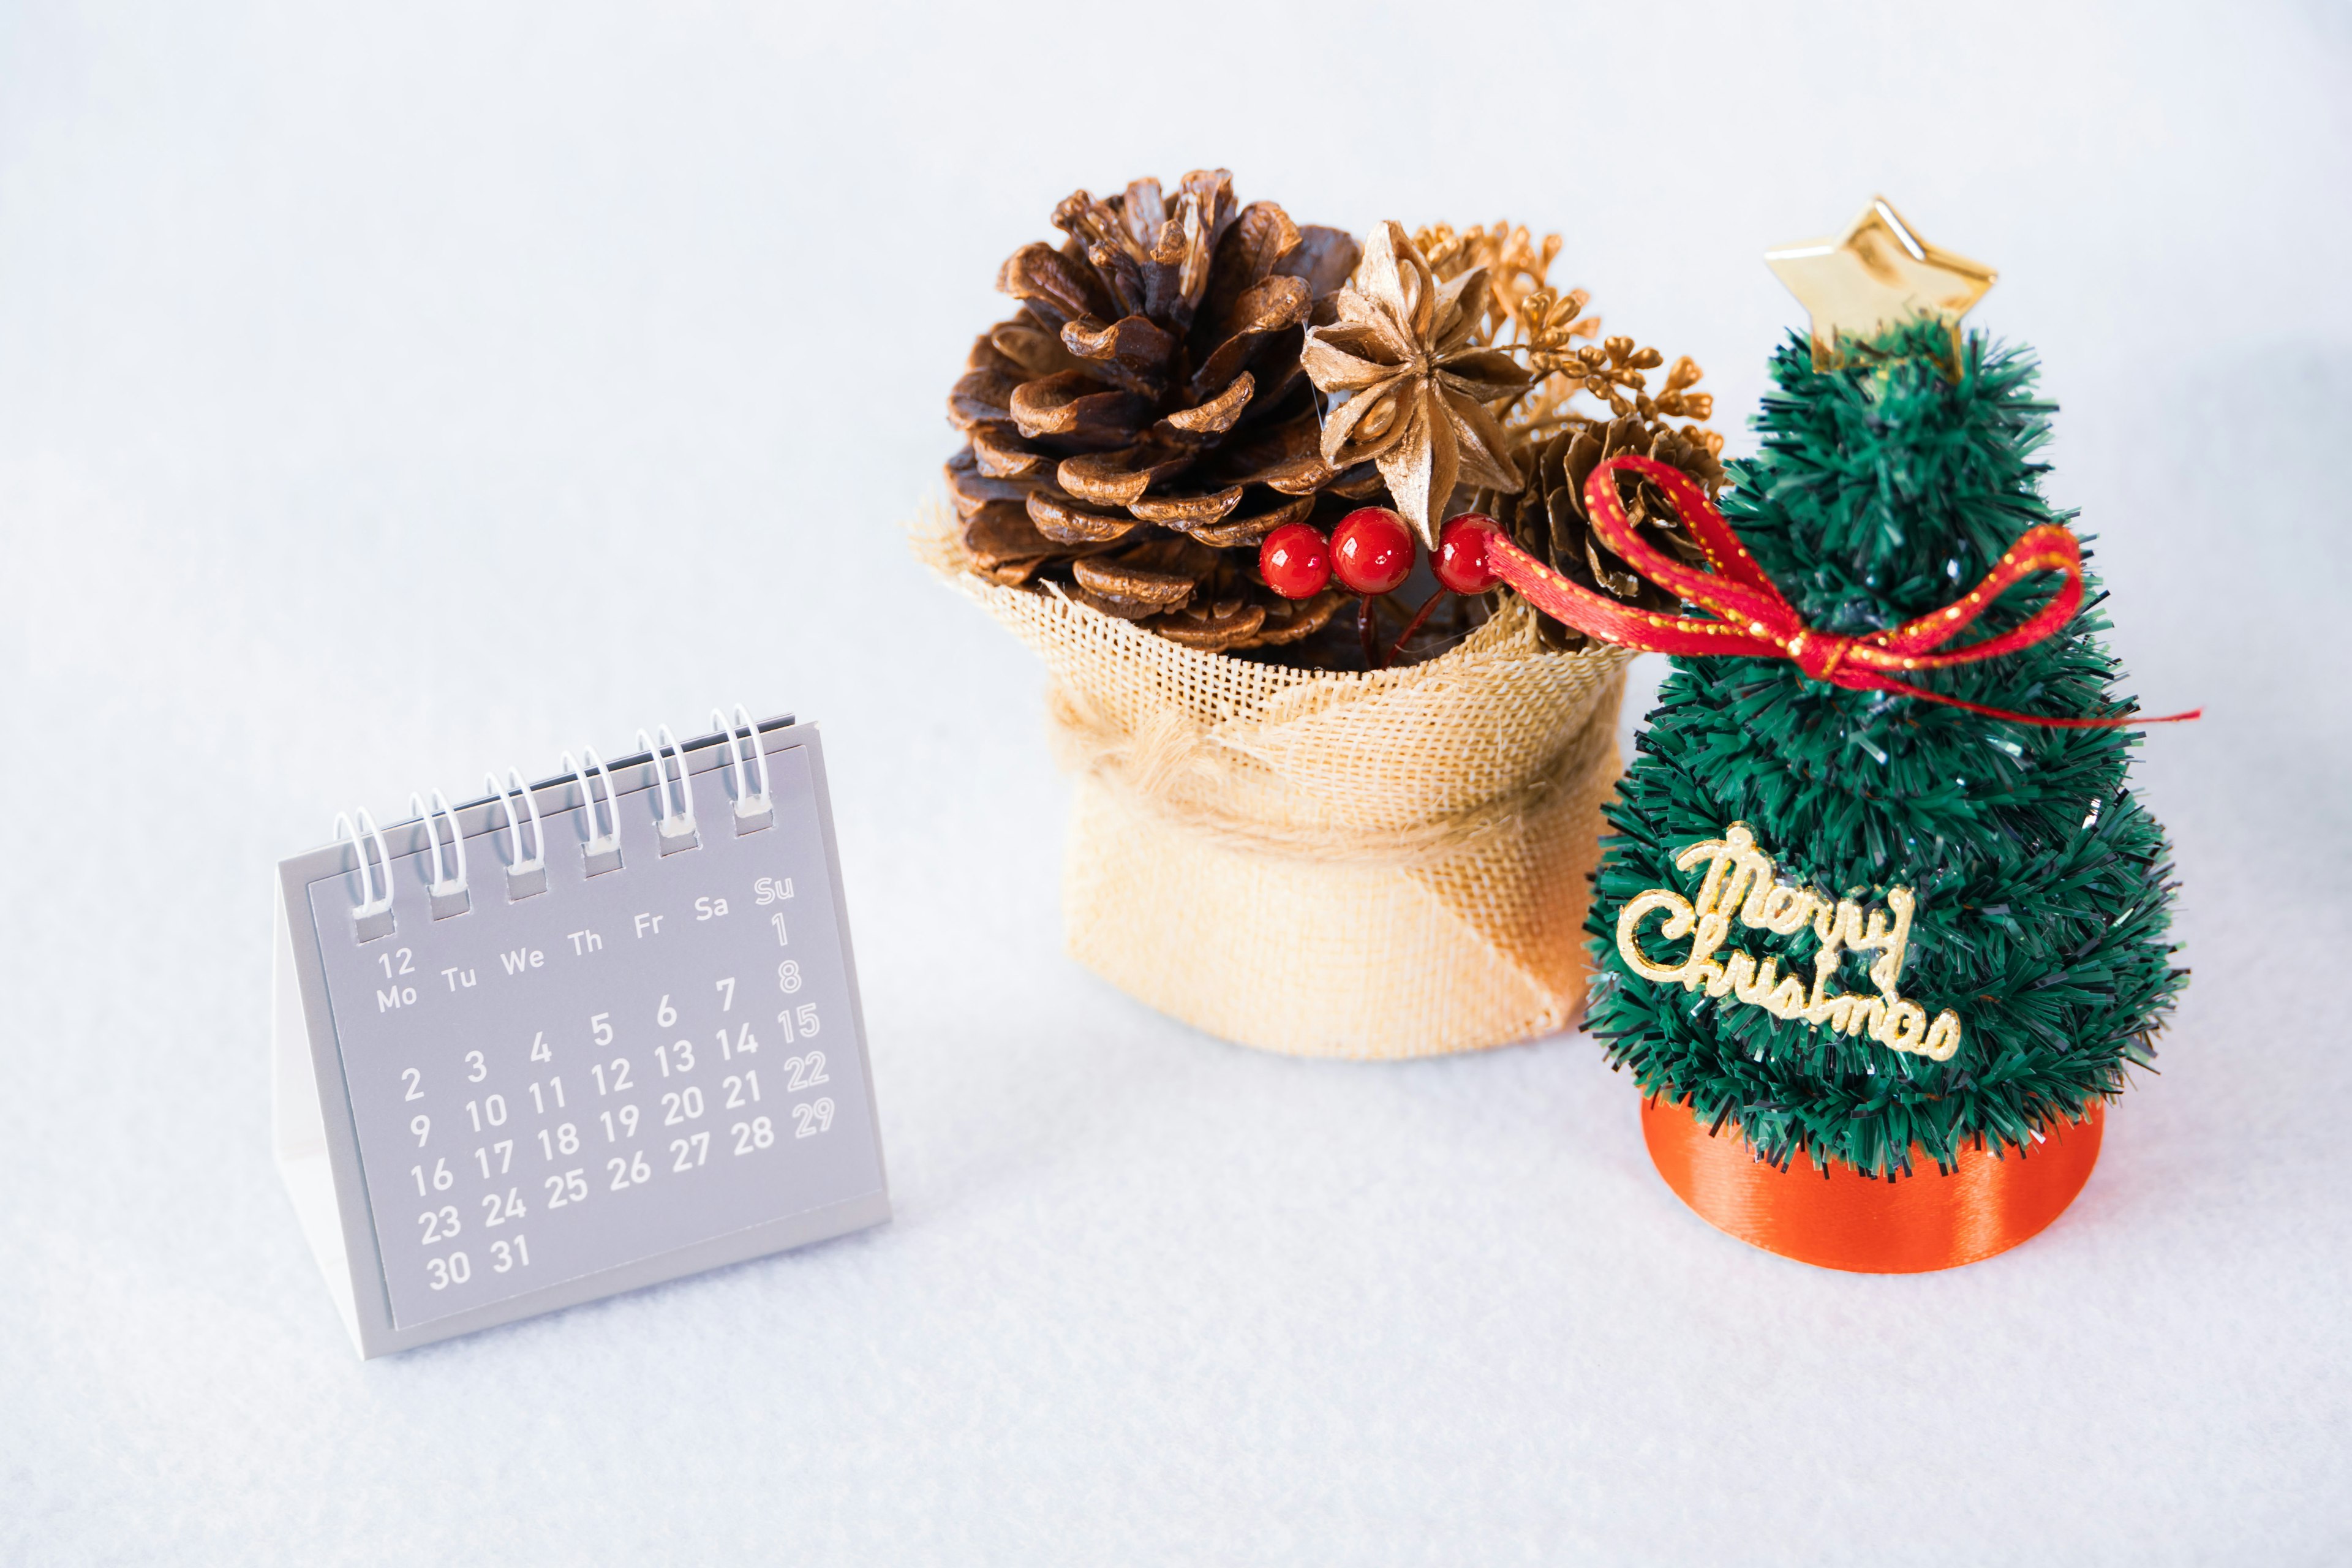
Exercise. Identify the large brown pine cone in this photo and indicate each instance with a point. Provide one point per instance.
(1143, 421)
(1548, 518)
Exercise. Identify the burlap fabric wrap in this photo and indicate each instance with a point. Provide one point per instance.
(1382, 864)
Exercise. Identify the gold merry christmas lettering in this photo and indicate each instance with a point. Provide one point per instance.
(1741, 883)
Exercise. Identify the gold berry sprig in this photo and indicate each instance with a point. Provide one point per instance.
(1526, 315)
(1613, 372)
(1550, 321)
(1516, 263)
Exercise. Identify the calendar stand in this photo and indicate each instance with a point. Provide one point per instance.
(573, 1038)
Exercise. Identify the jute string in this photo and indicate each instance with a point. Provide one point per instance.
(1382, 864)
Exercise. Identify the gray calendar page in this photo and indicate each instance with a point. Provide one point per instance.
(623, 1066)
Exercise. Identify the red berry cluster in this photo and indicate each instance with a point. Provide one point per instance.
(1372, 553)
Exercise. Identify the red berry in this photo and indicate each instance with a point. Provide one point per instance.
(1294, 561)
(1371, 551)
(1461, 562)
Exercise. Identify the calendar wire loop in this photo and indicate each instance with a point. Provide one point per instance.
(424, 811)
(746, 804)
(672, 827)
(346, 827)
(502, 791)
(598, 843)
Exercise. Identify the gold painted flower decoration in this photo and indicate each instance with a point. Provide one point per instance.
(1410, 381)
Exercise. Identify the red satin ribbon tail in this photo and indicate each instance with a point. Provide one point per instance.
(2124, 721)
(1644, 631)
(2127, 721)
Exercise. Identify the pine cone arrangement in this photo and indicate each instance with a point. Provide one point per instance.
(1185, 376)
(1143, 421)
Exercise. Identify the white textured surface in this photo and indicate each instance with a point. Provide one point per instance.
(388, 397)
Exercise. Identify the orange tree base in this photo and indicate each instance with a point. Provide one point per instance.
(1844, 1219)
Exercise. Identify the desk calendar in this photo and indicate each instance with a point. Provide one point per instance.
(573, 1038)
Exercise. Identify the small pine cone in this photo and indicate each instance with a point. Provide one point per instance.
(1295, 620)
(1142, 580)
(1150, 387)
(1548, 518)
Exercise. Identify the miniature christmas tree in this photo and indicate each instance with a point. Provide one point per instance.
(1968, 914)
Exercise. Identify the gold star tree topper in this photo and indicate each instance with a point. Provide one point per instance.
(1876, 274)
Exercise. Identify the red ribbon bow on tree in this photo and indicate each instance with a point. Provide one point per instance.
(1757, 621)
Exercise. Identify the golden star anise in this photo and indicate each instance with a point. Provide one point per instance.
(1414, 381)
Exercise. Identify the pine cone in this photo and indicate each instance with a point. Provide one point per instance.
(1144, 421)
(1193, 594)
(1548, 518)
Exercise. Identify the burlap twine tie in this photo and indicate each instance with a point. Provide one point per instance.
(1205, 779)
(1387, 863)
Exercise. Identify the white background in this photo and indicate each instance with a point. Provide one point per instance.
(387, 396)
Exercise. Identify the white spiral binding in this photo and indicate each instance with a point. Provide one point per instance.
(442, 887)
(598, 843)
(502, 791)
(746, 804)
(676, 795)
(682, 824)
(346, 829)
